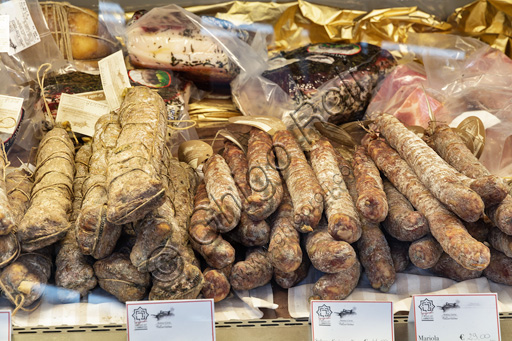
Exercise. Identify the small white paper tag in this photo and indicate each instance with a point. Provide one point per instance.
(351, 320)
(5, 325)
(81, 112)
(98, 96)
(171, 320)
(114, 78)
(4, 33)
(22, 31)
(456, 317)
(10, 111)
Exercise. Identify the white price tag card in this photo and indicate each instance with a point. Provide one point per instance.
(466, 317)
(5, 325)
(10, 111)
(22, 30)
(352, 320)
(81, 112)
(114, 78)
(4, 33)
(171, 320)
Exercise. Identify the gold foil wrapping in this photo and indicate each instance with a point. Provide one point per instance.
(296, 24)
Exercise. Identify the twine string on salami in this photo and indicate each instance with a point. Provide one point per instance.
(6, 162)
(18, 300)
(40, 81)
(193, 124)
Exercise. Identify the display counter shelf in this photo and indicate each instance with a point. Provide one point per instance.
(252, 330)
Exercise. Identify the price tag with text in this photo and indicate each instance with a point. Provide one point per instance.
(114, 78)
(5, 325)
(466, 317)
(10, 113)
(80, 112)
(352, 320)
(170, 320)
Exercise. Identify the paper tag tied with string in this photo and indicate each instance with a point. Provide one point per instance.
(81, 113)
(114, 78)
(10, 113)
(22, 30)
(4, 33)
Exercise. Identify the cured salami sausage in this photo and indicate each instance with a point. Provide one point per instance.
(337, 286)
(255, 271)
(449, 268)
(500, 268)
(425, 252)
(216, 285)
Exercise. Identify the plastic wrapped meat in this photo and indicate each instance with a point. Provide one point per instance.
(335, 79)
(165, 38)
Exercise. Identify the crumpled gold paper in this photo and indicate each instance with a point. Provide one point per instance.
(487, 20)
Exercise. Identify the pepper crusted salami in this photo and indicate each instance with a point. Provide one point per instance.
(46, 220)
(403, 222)
(284, 250)
(117, 276)
(444, 225)
(501, 215)
(449, 268)
(264, 178)
(500, 268)
(216, 285)
(95, 235)
(133, 176)
(374, 252)
(342, 217)
(451, 148)
(287, 280)
(225, 201)
(6, 215)
(371, 201)
(305, 191)
(431, 169)
(327, 254)
(425, 252)
(500, 241)
(255, 271)
(337, 286)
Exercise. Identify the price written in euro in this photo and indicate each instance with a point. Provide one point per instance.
(476, 336)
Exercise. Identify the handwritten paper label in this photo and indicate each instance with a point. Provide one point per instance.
(466, 317)
(81, 112)
(22, 31)
(352, 320)
(10, 111)
(171, 320)
(114, 78)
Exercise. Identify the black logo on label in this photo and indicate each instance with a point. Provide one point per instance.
(163, 314)
(448, 306)
(427, 309)
(140, 318)
(324, 313)
(346, 312)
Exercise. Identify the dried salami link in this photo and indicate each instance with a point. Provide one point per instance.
(237, 162)
(264, 178)
(305, 191)
(7, 219)
(500, 241)
(501, 215)
(403, 222)
(46, 220)
(225, 201)
(490, 188)
(82, 161)
(444, 226)
(431, 169)
(399, 253)
(96, 235)
(371, 202)
(133, 177)
(374, 252)
(337, 286)
(203, 227)
(255, 271)
(250, 233)
(119, 277)
(341, 213)
(425, 252)
(287, 280)
(284, 250)
(500, 268)
(449, 268)
(327, 254)
(479, 229)
(216, 285)
(19, 185)
(187, 285)
(217, 254)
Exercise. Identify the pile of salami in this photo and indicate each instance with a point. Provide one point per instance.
(124, 214)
